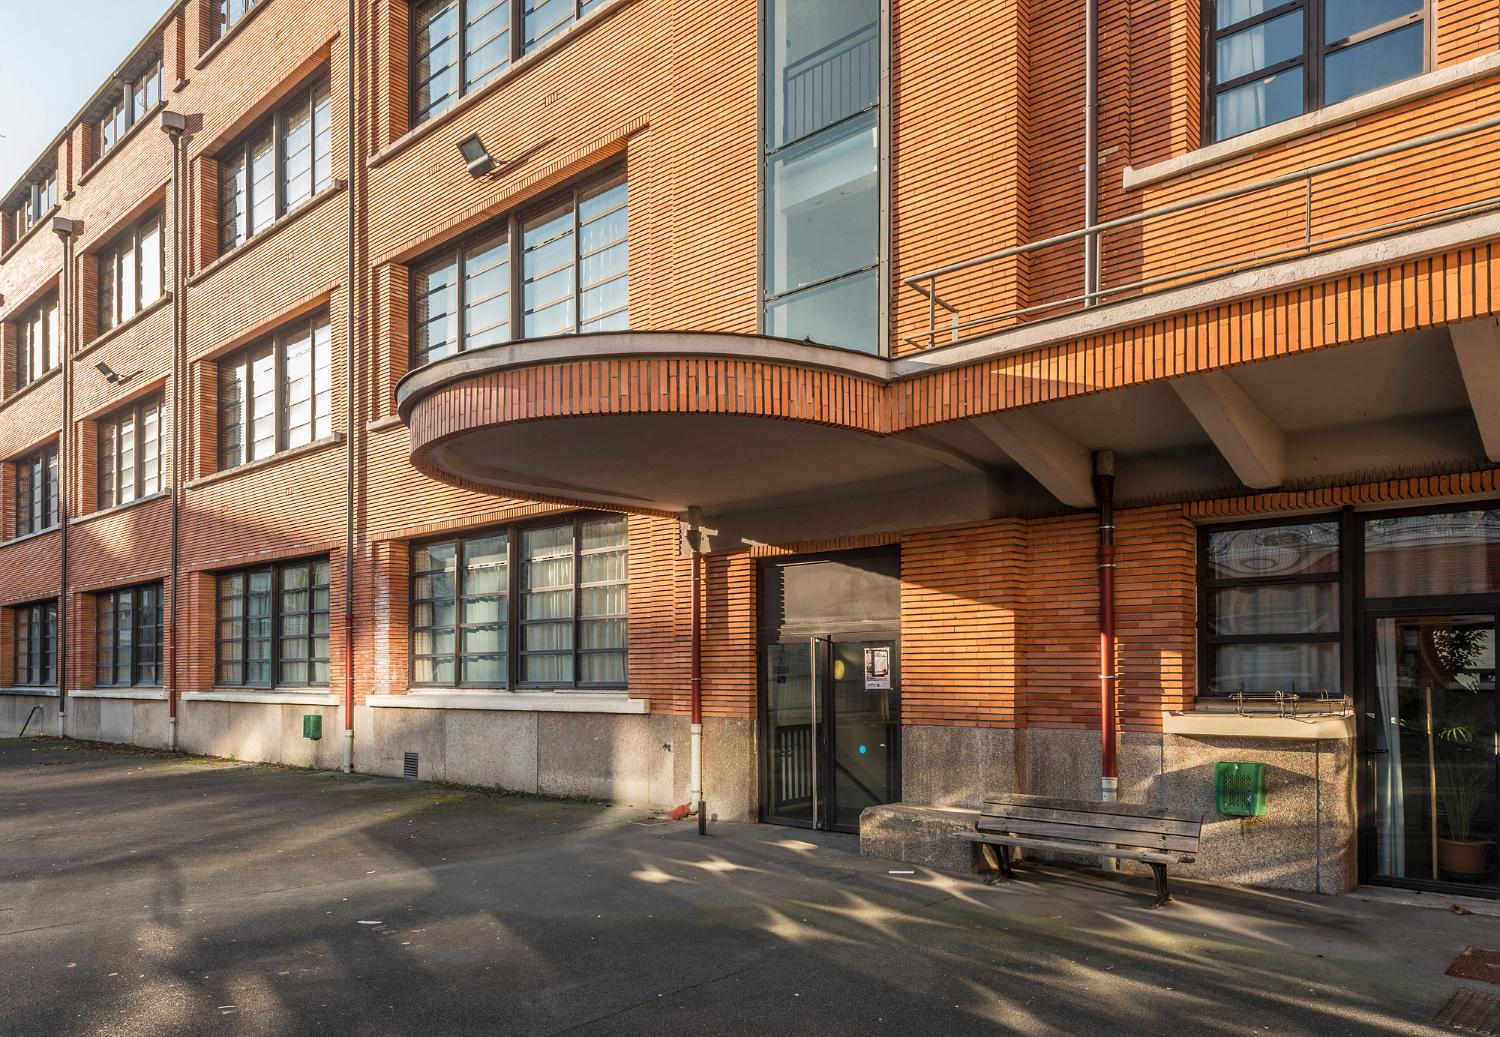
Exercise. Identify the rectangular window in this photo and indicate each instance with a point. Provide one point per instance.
(128, 636)
(279, 165)
(35, 644)
(273, 626)
(130, 458)
(460, 45)
(141, 93)
(822, 171)
(573, 276)
(38, 341)
(554, 618)
(277, 393)
(1269, 611)
(41, 198)
(1271, 60)
(36, 491)
(132, 269)
(228, 13)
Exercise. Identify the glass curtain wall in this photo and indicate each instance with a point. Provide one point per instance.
(822, 241)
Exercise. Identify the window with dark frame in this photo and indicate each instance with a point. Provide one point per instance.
(41, 198)
(272, 626)
(140, 94)
(1271, 60)
(524, 606)
(228, 13)
(457, 46)
(35, 644)
(128, 636)
(572, 275)
(36, 491)
(1269, 609)
(277, 393)
(132, 271)
(129, 461)
(283, 162)
(38, 341)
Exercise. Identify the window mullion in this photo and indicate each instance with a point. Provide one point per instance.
(460, 558)
(577, 585)
(461, 35)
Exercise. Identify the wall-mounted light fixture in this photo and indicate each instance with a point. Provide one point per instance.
(112, 376)
(474, 153)
(173, 122)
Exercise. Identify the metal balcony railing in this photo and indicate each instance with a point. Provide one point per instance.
(831, 83)
(954, 325)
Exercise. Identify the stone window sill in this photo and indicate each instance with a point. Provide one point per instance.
(138, 694)
(28, 536)
(50, 693)
(31, 231)
(31, 386)
(268, 697)
(1208, 724)
(234, 30)
(105, 337)
(158, 495)
(525, 701)
(282, 222)
(517, 67)
(125, 138)
(266, 462)
(1306, 125)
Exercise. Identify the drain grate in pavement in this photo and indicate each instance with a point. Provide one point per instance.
(1477, 963)
(1471, 1010)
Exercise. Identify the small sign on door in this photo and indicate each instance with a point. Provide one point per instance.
(877, 669)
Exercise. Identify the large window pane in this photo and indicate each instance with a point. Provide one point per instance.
(1271, 551)
(1385, 59)
(548, 271)
(486, 41)
(603, 216)
(487, 293)
(435, 295)
(1305, 608)
(1345, 18)
(1421, 555)
(545, 19)
(1260, 103)
(1260, 46)
(823, 215)
(824, 62)
(435, 53)
(1264, 669)
(1232, 12)
(845, 313)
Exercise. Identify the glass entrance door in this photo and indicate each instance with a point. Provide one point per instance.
(1434, 758)
(832, 724)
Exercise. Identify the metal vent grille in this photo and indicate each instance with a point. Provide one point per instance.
(409, 766)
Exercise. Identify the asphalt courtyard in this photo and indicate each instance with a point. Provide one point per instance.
(152, 894)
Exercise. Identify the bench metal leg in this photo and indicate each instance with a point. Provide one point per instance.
(1163, 894)
(986, 864)
(1005, 868)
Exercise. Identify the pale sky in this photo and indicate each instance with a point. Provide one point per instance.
(56, 54)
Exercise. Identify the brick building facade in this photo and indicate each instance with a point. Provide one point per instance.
(606, 350)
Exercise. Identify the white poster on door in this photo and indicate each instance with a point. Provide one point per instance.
(877, 669)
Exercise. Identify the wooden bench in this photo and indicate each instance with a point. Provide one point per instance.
(1127, 831)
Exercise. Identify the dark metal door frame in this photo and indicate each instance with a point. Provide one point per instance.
(1367, 709)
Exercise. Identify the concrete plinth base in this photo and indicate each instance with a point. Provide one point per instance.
(923, 836)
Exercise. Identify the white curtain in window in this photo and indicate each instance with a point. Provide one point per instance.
(1389, 798)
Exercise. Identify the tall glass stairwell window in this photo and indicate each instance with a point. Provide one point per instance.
(822, 171)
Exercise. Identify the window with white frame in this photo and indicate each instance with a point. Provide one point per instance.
(132, 270)
(129, 461)
(38, 341)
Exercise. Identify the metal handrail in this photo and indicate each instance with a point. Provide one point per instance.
(926, 283)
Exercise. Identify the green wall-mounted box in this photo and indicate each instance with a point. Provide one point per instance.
(1241, 789)
(312, 726)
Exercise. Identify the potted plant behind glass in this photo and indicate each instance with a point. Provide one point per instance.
(1464, 788)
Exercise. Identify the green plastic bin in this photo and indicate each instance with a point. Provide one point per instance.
(312, 726)
(1241, 789)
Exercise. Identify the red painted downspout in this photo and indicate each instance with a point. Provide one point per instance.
(1104, 489)
(178, 410)
(350, 384)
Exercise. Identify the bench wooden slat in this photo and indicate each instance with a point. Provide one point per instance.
(1090, 849)
(1100, 833)
(1125, 822)
(1017, 799)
